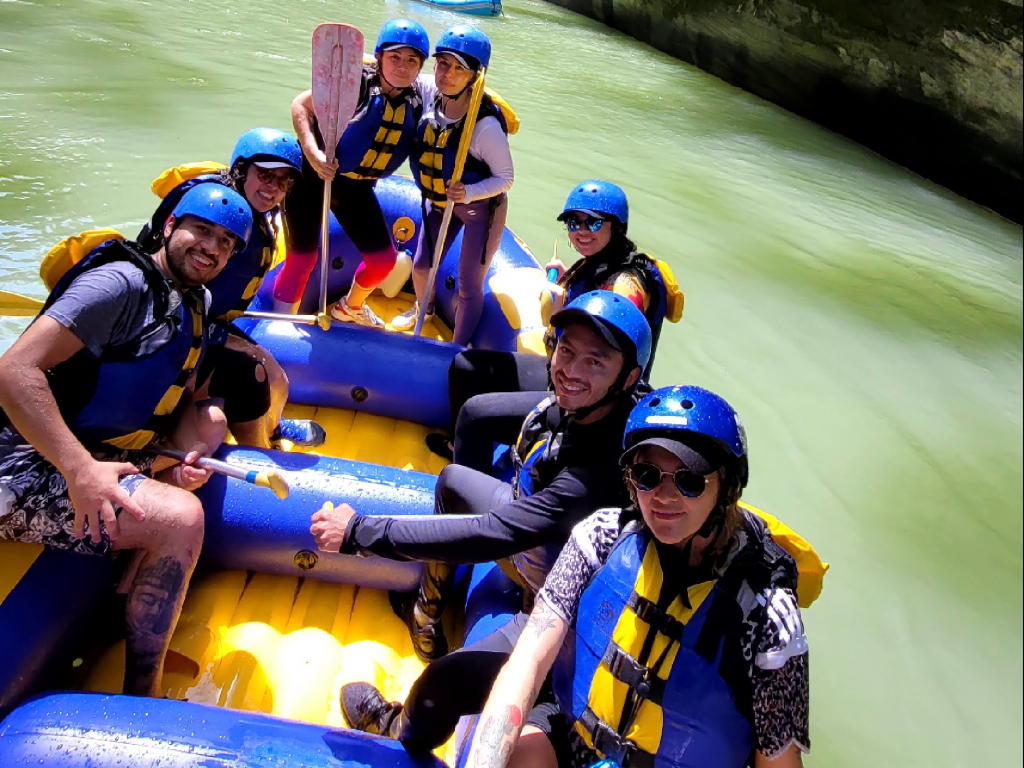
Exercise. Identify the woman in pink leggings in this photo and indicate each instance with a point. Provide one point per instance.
(376, 142)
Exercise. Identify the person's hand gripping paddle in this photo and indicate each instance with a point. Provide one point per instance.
(446, 219)
(337, 71)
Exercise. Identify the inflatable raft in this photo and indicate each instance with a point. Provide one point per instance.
(474, 7)
(271, 629)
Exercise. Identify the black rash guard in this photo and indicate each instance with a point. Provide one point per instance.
(584, 476)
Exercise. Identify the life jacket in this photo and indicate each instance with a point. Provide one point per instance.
(433, 159)
(535, 463)
(380, 136)
(656, 675)
(235, 286)
(127, 396)
(665, 297)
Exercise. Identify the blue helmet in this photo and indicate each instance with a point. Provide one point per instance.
(217, 204)
(602, 198)
(268, 146)
(402, 33)
(464, 41)
(616, 319)
(698, 426)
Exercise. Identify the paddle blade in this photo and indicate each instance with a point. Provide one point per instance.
(16, 305)
(337, 70)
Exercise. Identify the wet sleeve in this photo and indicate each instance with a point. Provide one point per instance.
(103, 306)
(781, 681)
(546, 517)
(490, 144)
(584, 553)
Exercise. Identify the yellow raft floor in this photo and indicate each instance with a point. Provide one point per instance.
(283, 645)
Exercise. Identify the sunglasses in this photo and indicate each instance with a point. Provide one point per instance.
(592, 224)
(647, 477)
(270, 176)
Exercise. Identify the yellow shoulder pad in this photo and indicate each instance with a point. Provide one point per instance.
(808, 563)
(71, 250)
(511, 119)
(172, 177)
(673, 293)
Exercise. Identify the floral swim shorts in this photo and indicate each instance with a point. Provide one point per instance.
(34, 503)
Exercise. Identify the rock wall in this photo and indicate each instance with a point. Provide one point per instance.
(935, 85)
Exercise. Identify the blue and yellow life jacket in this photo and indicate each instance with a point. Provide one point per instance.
(236, 285)
(127, 396)
(656, 675)
(433, 159)
(380, 136)
(665, 297)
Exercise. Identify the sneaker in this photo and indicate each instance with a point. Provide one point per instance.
(407, 320)
(366, 710)
(301, 433)
(440, 444)
(363, 315)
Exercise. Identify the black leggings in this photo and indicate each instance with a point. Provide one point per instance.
(460, 683)
(487, 419)
(478, 371)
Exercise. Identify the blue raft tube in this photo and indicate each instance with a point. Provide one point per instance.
(271, 628)
(473, 7)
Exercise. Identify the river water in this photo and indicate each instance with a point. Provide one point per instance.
(866, 324)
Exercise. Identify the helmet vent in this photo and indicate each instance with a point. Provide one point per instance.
(654, 403)
(687, 404)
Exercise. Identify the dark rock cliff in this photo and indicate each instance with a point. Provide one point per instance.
(935, 85)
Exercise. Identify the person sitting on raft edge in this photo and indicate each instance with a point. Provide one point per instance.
(565, 452)
(254, 388)
(596, 219)
(105, 370)
(670, 627)
(480, 198)
(391, 98)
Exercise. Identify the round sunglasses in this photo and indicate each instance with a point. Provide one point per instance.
(647, 477)
(268, 176)
(592, 224)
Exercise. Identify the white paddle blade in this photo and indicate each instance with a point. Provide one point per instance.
(337, 70)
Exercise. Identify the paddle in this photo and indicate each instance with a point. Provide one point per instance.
(446, 219)
(16, 305)
(337, 73)
(267, 478)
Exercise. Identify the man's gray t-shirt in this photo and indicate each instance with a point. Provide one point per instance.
(106, 306)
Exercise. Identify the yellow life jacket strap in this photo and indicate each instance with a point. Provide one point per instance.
(172, 177)
(140, 438)
(809, 564)
(673, 293)
(71, 250)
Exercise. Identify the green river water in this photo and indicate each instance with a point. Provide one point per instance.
(866, 324)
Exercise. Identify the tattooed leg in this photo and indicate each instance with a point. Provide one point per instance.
(171, 537)
(153, 608)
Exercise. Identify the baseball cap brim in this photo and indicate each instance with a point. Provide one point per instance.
(566, 317)
(595, 214)
(692, 459)
(271, 164)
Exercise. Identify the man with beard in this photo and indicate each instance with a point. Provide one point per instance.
(566, 462)
(105, 370)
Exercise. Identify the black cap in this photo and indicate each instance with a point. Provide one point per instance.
(692, 459)
(565, 317)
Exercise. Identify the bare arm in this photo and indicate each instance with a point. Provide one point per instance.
(516, 688)
(303, 119)
(27, 400)
(790, 758)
